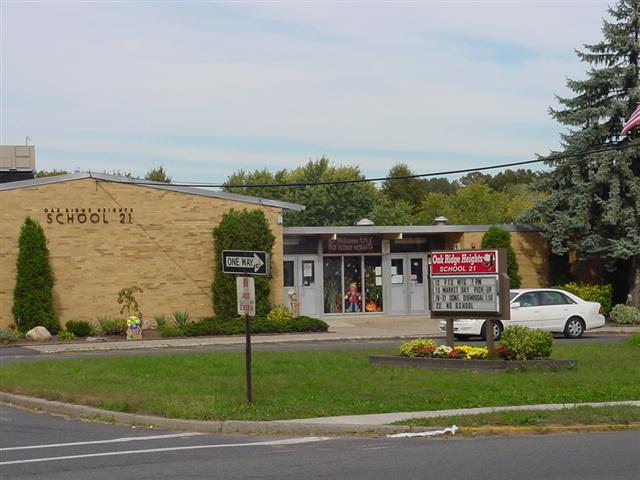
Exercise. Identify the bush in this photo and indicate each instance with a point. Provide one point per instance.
(33, 292)
(79, 328)
(181, 318)
(413, 347)
(161, 321)
(235, 326)
(7, 335)
(634, 340)
(625, 314)
(280, 313)
(112, 326)
(66, 335)
(524, 344)
(592, 293)
(497, 237)
(240, 230)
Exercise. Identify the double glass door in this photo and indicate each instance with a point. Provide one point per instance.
(300, 275)
(408, 279)
(352, 284)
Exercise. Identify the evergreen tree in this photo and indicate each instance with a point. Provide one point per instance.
(593, 202)
(158, 174)
(497, 237)
(33, 293)
(240, 230)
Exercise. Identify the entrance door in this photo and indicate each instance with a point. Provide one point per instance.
(408, 284)
(416, 285)
(308, 285)
(398, 284)
(289, 270)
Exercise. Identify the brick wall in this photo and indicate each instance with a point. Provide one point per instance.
(165, 247)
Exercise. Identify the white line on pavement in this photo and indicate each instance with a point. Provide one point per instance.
(95, 442)
(289, 441)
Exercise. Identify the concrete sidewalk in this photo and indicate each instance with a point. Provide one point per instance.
(344, 328)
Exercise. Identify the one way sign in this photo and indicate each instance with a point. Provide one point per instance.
(245, 262)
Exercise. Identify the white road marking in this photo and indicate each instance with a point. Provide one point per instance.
(96, 442)
(289, 441)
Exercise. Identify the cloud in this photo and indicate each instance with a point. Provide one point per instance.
(208, 88)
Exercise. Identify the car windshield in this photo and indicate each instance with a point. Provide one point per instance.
(512, 295)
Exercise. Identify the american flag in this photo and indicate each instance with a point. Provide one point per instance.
(634, 121)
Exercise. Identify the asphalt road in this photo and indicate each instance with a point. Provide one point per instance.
(13, 354)
(40, 446)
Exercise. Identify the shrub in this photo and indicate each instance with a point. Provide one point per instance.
(235, 326)
(524, 344)
(413, 347)
(33, 292)
(240, 230)
(625, 314)
(592, 293)
(112, 326)
(161, 321)
(66, 335)
(280, 313)
(497, 237)
(181, 318)
(170, 331)
(634, 340)
(7, 335)
(79, 328)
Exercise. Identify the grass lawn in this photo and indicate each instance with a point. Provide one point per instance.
(614, 415)
(315, 383)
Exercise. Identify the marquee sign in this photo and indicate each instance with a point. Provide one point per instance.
(469, 284)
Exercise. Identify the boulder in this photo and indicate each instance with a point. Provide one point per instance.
(38, 334)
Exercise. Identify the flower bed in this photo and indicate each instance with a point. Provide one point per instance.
(520, 347)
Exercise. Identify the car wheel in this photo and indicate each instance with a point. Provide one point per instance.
(574, 328)
(461, 337)
(497, 330)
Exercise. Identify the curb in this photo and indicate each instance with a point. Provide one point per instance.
(276, 427)
(542, 429)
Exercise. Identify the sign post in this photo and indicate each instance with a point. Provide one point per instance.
(242, 262)
(469, 284)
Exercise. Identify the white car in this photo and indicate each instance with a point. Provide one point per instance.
(542, 308)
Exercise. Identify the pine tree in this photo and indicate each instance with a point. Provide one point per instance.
(593, 202)
(158, 174)
(33, 293)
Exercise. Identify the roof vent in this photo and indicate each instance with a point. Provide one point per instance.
(441, 220)
(365, 222)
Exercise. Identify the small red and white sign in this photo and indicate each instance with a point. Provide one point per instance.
(246, 296)
(471, 262)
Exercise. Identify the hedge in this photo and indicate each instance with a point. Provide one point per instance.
(602, 294)
(235, 326)
(497, 237)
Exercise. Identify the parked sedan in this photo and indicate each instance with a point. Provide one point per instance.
(542, 308)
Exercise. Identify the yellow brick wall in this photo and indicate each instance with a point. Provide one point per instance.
(167, 250)
(530, 248)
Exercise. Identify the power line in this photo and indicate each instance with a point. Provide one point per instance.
(550, 158)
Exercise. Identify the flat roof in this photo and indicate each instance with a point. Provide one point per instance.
(104, 177)
(405, 229)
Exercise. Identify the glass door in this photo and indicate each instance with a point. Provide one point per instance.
(308, 290)
(397, 284)
(417, 285)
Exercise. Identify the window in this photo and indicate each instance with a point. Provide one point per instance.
(528, 300)
(289, 273)
(397, 270)
(554, 298)
(308, 273)
(416, 271)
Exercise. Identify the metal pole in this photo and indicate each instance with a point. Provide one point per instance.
(247, 355)
(450, 338)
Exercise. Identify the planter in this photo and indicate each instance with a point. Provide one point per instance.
(459, 364)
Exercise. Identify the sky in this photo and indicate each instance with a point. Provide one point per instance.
(207, 88)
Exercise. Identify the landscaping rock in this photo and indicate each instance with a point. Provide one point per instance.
(38, 334)
(96, 339)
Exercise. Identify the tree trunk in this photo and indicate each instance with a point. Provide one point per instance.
(634, 281)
